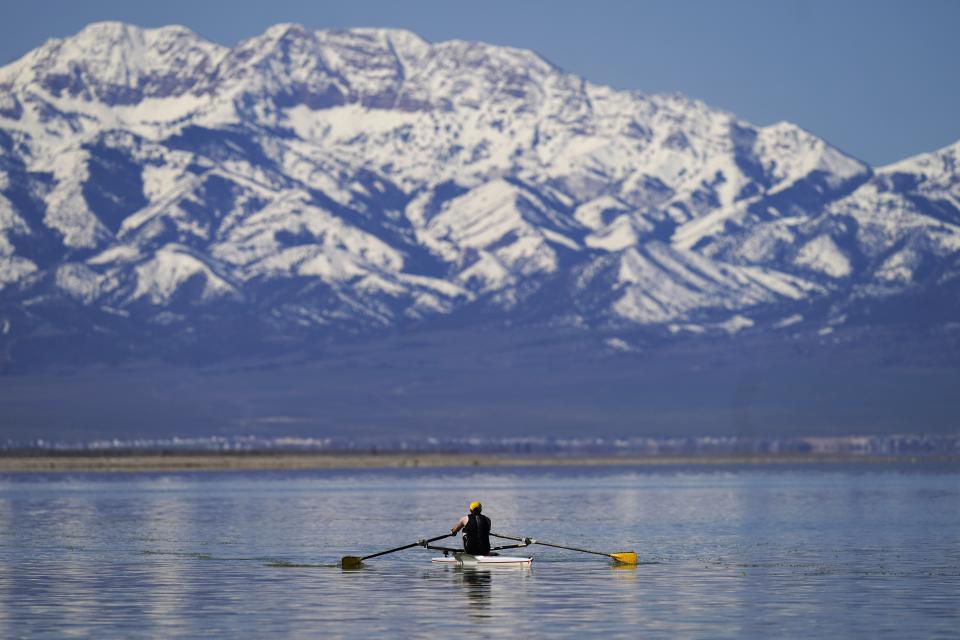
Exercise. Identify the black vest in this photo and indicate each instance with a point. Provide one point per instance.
(476, 535)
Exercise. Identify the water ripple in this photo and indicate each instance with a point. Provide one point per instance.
(737, 553)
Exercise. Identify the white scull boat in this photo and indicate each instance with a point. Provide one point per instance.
(467, 560)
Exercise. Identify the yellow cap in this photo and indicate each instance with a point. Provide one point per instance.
(475, 506)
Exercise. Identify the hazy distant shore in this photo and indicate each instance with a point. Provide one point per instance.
(206, 461)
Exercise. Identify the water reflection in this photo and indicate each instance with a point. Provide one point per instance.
(477, 585)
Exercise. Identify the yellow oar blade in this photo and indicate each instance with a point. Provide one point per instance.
(625, 557)
(350, 562)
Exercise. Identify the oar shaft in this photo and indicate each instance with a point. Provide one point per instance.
(500, 535)
(560, 546)
(406, 546)
(383, 553)
(548, 544)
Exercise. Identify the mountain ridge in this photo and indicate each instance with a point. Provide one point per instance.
(331, 183)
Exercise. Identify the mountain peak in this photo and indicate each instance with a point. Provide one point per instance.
(117, 63)
(285, 30)
(390, 34)
(947, 157)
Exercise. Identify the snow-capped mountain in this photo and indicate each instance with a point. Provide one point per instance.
(316, 183)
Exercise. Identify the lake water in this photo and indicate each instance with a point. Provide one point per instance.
(822, 551)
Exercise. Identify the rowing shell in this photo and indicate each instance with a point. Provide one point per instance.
(467, 560)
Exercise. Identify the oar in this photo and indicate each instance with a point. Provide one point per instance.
(353, 562)
(625, 557)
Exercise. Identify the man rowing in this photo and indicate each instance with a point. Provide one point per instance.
(476, 531)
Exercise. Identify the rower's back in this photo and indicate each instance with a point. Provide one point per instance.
(476, 534)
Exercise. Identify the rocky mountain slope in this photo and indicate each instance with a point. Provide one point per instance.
(158, 188)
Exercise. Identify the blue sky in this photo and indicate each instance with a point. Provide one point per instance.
(879, 79)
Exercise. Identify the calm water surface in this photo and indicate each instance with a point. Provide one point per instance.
(859, 551)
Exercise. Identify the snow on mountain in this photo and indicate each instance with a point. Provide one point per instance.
(823, 255)
(657, 283)
(364, 178)
(895, 231)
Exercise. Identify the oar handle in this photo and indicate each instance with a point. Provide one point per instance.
(418, 543)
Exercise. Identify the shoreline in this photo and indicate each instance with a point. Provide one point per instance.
(22, 462)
